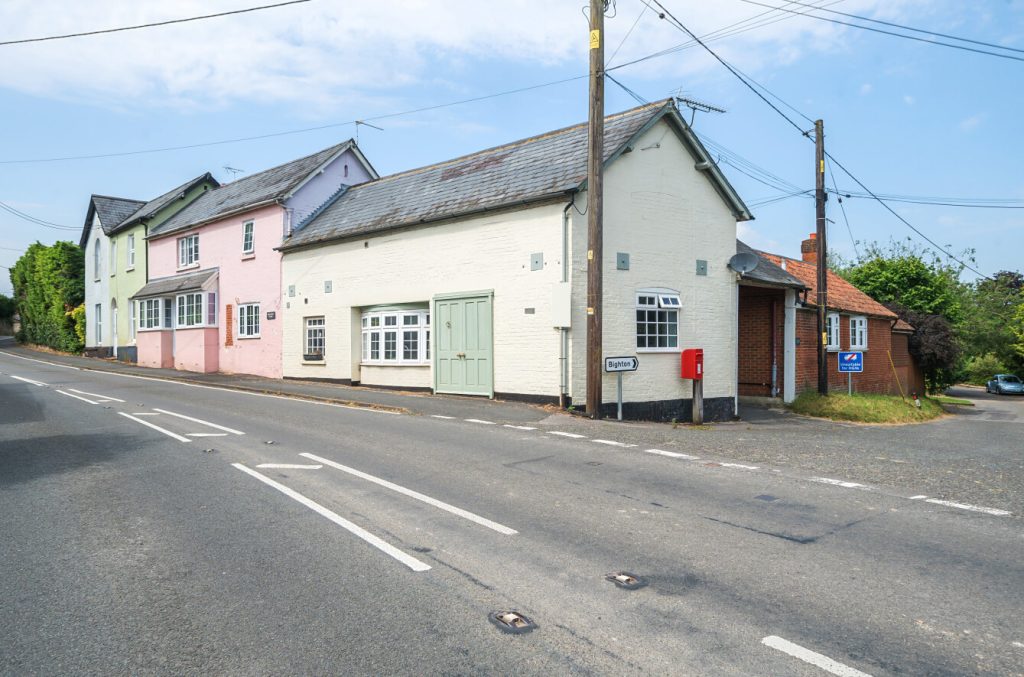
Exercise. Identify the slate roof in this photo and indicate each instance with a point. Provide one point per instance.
(156, 204)
(842, 295)
(766, 272)
(534, 169)
(111, 210)
(176, 284)
(256, 190)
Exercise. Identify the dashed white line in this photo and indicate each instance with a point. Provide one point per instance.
(103, 398)
(519, 427)
(448, 418)
(383, 546)
(77, 397)
(27, 380)
(207, 434)
(738, 465)
(917, 498)
(289, 466)
(201, 421)
(482, 521)
(613, 443)
(839, 483)
(814, 658)
(672, 454)
(572, 435)
(477, 420)
(967, 506)
(1019, 645)
(156, 427)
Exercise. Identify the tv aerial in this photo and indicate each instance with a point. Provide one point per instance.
(695, 105)
(233, 171)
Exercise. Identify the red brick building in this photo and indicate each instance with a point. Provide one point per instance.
(778, 353)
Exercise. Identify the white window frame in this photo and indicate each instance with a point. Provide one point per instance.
(314, 337)
(858, 332)
(113, 257)
(188, 251)
(665, 306)
(130, 253)
(832, 331)
(98, 318)
(205, 310)
(394, 328)
(249, 237)
(248, 314)
(151, 314)
(96, 260)
(131, 319)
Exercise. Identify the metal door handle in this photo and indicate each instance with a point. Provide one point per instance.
(461, 355)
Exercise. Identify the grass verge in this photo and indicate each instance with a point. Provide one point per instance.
(946, 399)
(865, 408)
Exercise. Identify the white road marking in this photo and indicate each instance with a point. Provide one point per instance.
(289, 466)
(738, 465)
(145, 413)
(482, 521)
(477, 420)
(207, 434)
(199, 420)
(1019, 645)
(103, 398)
(814, 658)
(839, 483)
(968, 506)
(27, 380)
(76, 397)
(383, 546)
(917, 498)
(156, 427)
(572, 435)
(672, 454)
(55, 364)
(613, 443)
(519, 427)
(440, 416)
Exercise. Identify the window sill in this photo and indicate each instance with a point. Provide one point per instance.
(857, 349)
(191, 266)
(832, 349)
(394, 364)
(314, 363)
(248, 256)
(246, 338)
(659, 350)
(128, 270)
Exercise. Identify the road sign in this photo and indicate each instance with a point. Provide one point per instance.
(851, 362)
(621, 364)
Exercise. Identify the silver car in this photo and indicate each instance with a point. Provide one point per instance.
(1005, 384)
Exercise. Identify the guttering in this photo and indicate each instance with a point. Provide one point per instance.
(547, 197)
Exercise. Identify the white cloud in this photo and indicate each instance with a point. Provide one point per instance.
(909, 100)
(321, 53)
(866, 88)
(972, 122)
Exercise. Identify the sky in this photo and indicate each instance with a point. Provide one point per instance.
(908, 118)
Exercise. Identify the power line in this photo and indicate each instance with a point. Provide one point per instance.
(892, 33)
(900, 26)
(32, 219)
(931, 203)
(626, 36)
(150, 25)
(845, 218)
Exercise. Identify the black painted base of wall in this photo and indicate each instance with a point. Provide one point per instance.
(98, 351)
(531, 399)
(128, 354)
(337, 381)
(716, 409)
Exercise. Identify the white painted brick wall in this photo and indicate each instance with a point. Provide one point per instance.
(97, 287)
(483, 253)
(665, 215)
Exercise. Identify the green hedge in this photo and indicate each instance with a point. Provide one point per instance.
(49, 284)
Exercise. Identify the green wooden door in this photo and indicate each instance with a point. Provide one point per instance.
(464, 345)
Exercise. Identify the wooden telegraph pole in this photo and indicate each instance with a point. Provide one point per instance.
(819, 200)
(595, 236)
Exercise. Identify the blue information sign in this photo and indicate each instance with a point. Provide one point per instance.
(851, 362)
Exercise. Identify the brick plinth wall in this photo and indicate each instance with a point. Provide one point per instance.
(755, 340)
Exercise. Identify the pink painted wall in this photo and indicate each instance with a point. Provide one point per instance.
(242, 279)
(155, 349)
(195, 349)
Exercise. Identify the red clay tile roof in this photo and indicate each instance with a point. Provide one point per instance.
(902, 326)
(842, 295)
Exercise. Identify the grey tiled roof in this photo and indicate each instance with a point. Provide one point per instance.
(158, 203)
(258, 189)
(176, 284)
(532, 169)
(113, 210)
(766, 271)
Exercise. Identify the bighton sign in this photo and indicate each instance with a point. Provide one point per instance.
(613, 364)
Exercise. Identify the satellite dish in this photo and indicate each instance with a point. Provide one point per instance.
(744, 262)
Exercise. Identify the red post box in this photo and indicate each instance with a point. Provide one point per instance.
(692, 364)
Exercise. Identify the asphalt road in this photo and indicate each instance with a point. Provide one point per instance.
(142, 536)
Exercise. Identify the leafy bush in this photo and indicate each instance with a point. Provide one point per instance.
(979, 370)
(78, 316)
(49, 283)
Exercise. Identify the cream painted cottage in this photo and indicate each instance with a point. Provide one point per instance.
(469, 276)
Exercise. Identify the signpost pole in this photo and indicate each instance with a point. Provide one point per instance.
(618, 376)
(849, 381)
(698, 401)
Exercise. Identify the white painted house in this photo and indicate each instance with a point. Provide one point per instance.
(469, 276)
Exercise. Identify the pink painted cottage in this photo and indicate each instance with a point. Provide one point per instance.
(213, 299)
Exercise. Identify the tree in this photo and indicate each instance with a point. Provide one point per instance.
(7, 310)
(933, 345)
(48, 285)
(991, 325)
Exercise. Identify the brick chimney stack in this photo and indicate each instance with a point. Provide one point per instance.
(809, 249)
